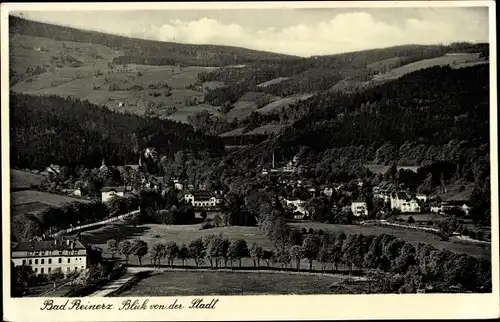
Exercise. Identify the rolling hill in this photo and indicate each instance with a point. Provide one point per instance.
(175, 81)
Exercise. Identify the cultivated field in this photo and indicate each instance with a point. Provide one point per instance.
(176, 283)
(454, 60)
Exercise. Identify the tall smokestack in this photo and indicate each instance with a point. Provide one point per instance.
(273, 159)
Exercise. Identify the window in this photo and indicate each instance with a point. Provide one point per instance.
(68, 269)
(50, 269)
(24, 262)
(36, 261)
(31, 261)
(42, 261)
(76, 268)
(36, 269)
(60, 252)
(60, 260)
(50, 260)
(69, 260)
(43, 252)
(36, 253)
(82, 266)
(41, 270)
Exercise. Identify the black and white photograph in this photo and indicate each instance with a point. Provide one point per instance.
(210, 153)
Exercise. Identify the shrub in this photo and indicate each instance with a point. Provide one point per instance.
(311, 231)
(207, 225)
(430, 222)
(411, 220)
(465, 232)
(472, 234)
(480, 235)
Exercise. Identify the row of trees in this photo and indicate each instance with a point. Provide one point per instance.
(418, 267)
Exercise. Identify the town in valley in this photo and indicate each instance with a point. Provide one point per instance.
(142, 167)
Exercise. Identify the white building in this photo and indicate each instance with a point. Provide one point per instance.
(48, 255)
(328, 191)
(422, 197)
(178, 185)
(200, 199)
(78, 192)
(359, 208)
(403, 202)
(107, 193)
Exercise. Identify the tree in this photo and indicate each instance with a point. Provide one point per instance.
(183, 253)
(125, 249)
(282, 257)
(112, 247)
(267, 256)
(196, 250)
(411, 220)
(237, 250)
(203, 215)
(158, 251)
(449, 226)
(172, 251)
(310, 246)
(56, 275)
(256, 252)
(139, 249)
(296, 254)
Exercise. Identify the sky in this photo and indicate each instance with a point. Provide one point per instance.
(302, 32)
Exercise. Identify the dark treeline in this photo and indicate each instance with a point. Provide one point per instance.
(65, 131)
(142, 51)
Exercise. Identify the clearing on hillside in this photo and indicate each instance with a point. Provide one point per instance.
(455, 60)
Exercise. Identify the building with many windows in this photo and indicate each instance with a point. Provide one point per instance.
(44, 256)
(200, 199)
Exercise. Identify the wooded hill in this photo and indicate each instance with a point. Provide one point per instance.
(434, 114)
(65, 131)
(148, 52)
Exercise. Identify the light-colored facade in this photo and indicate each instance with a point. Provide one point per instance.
(404, 203)
(201, 199)
(46, 256)
(109, 193)
(422, 197)
(359, 208)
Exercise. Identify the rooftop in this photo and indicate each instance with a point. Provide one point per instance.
(116, 189)
(45, 245)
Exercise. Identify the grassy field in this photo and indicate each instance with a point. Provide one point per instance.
(24, 180)
(175, 283)
(409, 235)
(273, 81)
(285, 102)
(380, 168)
(35, 201)
(453, 60)
(92, 78)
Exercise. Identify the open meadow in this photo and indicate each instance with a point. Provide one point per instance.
(179, 283)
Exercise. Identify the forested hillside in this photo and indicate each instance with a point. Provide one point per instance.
(435, 114)
(356, 69)
(50, 129)
(142, 51)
